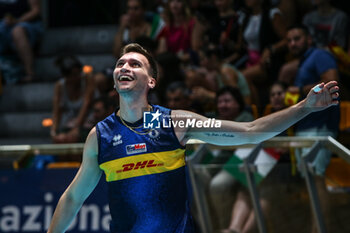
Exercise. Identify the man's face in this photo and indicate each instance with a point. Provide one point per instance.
(228, 107)
(132, 72)
(298, 41)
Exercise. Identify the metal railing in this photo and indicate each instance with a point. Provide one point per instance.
(248, 167)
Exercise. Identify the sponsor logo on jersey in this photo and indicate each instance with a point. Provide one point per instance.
(136, 148)
(139, 165)
(117, 139)
(143, 164)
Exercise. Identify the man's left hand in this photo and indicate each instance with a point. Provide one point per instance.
(323, 96)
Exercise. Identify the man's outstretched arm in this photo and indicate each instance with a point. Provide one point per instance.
(82, 185)
(236, 133)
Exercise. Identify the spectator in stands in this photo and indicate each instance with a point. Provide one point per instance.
(214, 74)
(327, 25)
(176, 36)
(263, 33)
(178, 96)
(73, 96)
(243, 215)
(288, 71)
(102, 107)
(133, 24)
(104, 82)
(170, 71)
(277, 98)
(219, 26)
(20, 30)
(228, 21)
(230, 106)
(316, 65)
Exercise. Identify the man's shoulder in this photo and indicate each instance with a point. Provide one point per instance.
(319, 61)
(107, 122)
(320, 54)
(108, 118)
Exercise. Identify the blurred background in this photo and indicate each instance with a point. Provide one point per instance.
(225, 59)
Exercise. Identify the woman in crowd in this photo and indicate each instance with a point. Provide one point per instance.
(263, 32)
(176, 36)
(132, 25)
(73, 95)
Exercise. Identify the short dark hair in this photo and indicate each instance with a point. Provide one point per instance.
(302, 27)
(134, 47)
(235, 93)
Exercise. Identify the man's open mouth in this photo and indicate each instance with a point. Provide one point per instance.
(125, 78)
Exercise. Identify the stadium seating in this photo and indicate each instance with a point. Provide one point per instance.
(24, 107)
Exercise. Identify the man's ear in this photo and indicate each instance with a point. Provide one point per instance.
(152, 82)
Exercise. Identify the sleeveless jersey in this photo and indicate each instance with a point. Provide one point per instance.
(146, 176)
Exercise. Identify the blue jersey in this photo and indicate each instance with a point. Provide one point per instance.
(313, 64)
(146, 176)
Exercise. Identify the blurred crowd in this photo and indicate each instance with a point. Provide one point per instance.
(201, 47)
(229, 59)
(204, 46)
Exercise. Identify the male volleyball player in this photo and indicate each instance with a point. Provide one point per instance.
(145, 166)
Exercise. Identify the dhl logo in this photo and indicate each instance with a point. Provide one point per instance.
(143, 164)
(139, 165)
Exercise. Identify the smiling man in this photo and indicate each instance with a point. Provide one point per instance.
(145, 166)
